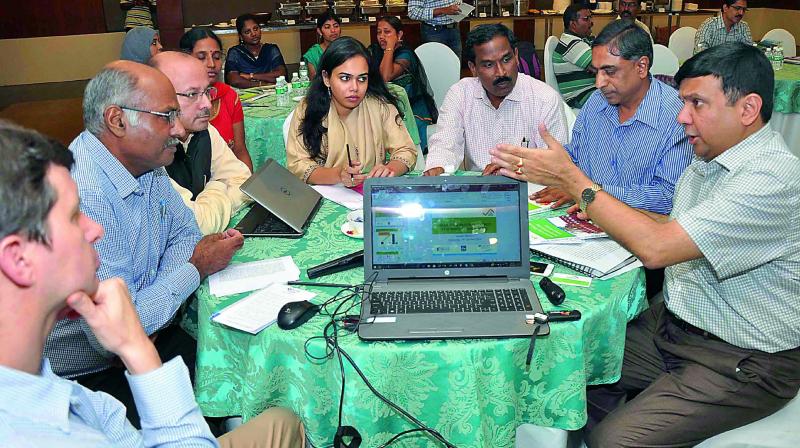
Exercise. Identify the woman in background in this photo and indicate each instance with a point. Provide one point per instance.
(252, 63)
(328, 30)
(140, 44)
(348, 123)
(226, 109)
(399, 65)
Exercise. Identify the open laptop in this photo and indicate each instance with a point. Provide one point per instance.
(284, 204)
(450, 259)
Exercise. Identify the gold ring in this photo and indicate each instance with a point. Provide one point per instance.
(519, 171)
(520, 163)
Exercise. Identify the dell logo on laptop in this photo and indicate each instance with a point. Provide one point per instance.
(286, 191)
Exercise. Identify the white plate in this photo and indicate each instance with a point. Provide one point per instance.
(298, 98)
(356, 216)
(353, 229)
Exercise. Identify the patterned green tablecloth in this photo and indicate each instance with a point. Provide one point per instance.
(475, 392)
(787, 89)
(263, 125)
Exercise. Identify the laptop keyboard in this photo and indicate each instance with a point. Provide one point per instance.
(470, 301)
(273, 225)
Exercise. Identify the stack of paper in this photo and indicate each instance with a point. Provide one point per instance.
(260, 309)
(562, 229)
(245, 277)
(597, 257)
(341, 195)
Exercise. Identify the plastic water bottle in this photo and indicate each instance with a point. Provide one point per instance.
(296, 87)
(304, 77)
(282, 91)
(779, 56)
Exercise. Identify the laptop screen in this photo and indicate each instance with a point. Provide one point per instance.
(452, 225)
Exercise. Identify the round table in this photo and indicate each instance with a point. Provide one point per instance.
(786, 111)
(263, 123)
(474, 392)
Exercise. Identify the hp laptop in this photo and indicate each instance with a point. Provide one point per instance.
(284, 204)
(449, 258)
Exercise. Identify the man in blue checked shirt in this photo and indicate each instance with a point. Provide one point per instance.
(626, 138)
(437, 25)
(152, 240)
(48, 272)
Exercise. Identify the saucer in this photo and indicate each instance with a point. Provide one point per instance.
(353, 229)
(356, 216)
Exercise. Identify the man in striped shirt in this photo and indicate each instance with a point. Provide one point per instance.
(723, 348)
(572, 60)
(626, 137)
(728, 26)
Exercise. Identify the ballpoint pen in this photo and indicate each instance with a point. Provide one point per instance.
(349, 163)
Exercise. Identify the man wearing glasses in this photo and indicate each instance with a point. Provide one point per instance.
(205, 171)
(728, 26)
(151, 238)
(572, 59)
(629, 10)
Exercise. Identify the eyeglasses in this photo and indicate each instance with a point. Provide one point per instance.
(170, 116)
(739, 8)
(628, 4)
(587, 18)
(210, 92)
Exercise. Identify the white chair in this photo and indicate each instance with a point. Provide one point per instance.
(549, 71)
(778, 430)
(681, 42)
(572, 116)
(286, 123)
(784, 37)
(664, 61)
(442, 67)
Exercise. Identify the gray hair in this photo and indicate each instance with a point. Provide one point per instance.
(626, 40)
(111, 86)
(26, 197)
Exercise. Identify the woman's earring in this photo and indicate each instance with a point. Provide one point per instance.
(329, 91)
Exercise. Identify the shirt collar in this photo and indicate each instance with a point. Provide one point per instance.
(120, 177)
(744, 151)
(648, 109)
(42, 398)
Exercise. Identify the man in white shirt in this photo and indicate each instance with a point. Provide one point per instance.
(497, 105)
(205, 171)
(48, 272)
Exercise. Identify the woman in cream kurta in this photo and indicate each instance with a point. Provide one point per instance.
(371, 130)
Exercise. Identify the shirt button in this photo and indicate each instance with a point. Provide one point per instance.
(152, 272)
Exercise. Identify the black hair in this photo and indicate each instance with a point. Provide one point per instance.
(244, 18)
(484, 33)
(742, 69)
(728, 3)
(626, 40)
(318, 99)
(26, 197)
(327, 15)
(394, 22)
(198, 33)
(571, 13)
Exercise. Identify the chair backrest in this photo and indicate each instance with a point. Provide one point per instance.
(681, 42)
(286, 123)
(664, 61)
(442, 67)
(549, 71)
(528, 62)
(785, 38)
(571, 118)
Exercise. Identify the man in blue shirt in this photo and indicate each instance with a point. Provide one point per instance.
(48, 272)
(152, 240)
(626, 137)
(437, 22)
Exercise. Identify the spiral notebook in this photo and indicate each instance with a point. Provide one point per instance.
(595, 258)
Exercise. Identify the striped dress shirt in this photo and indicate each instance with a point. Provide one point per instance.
(638, 161)
(712, 32)
(573, 55)
(149, 237)
(422, 10)
(469, 125)
(742, 210)
(47, 411)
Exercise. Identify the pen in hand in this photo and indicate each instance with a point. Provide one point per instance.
(349, 163)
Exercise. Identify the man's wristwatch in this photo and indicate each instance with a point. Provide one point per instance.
(588, 195)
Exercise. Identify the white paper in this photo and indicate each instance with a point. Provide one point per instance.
(245, 277)
(622, 270)
(260, 309)
(341, 195)
(464, 10)
(603, 254)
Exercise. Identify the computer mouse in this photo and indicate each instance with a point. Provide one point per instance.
(294, 314)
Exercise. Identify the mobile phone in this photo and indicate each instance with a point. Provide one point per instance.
(543, 269)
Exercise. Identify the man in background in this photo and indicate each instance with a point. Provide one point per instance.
(437, 22)
(728, 26)
(572, 60)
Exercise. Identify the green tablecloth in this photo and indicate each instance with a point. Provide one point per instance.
(475, 392)
(263, 125)
(787, 89)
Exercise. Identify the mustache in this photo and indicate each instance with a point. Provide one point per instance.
(171, 142)
(501, 79)
(626, 14)
(204, 113)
